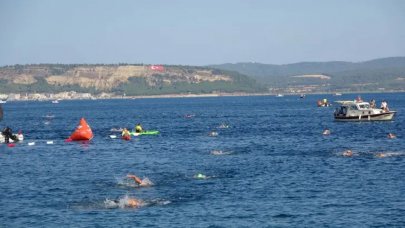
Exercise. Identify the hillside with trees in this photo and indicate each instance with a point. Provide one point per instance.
(378, 75)
(387, 74)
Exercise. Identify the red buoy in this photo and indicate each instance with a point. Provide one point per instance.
(82, 132)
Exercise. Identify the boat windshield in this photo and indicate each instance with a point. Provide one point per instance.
(353, 107)
(364, 106)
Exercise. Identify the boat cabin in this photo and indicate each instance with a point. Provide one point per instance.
(352, 110)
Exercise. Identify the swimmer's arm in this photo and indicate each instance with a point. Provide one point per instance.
(135, 178)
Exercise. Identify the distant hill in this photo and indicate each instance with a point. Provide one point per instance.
(379, 74)
(122, 79)
(386, 74)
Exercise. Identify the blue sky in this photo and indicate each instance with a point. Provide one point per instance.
(199, 32)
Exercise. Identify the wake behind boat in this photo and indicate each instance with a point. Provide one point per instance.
(361, 111)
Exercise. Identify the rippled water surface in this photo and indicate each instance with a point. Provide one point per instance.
(270, 167)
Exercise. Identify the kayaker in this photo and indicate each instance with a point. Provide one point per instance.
(138, 128)
(125, 132)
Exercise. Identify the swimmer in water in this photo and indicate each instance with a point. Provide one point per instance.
(189, 116)
(200, 176)
(391, 136)
(381, 155)
(388, 154)
(219, 152)
(116, 129)
(213, 134)
(145, 182)
(347, 153)
(326, 132)
(132, 202)
(124, 202)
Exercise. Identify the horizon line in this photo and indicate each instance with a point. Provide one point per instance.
(205, 65)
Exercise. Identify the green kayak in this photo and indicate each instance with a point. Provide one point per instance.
(145, 133)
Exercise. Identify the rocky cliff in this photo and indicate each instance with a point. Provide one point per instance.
(116, 78)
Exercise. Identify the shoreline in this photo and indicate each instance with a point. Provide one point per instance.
(94, 97)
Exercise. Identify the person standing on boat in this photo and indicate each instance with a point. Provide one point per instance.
(384, 106)
(372, 103)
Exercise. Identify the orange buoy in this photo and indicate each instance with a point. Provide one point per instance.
(82, 132)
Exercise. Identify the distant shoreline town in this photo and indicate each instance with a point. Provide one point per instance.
(72, 95)
(88, 96)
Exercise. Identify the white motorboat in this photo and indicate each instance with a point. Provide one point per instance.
(360, 111)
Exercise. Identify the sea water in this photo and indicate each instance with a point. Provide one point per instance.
(270, 166)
